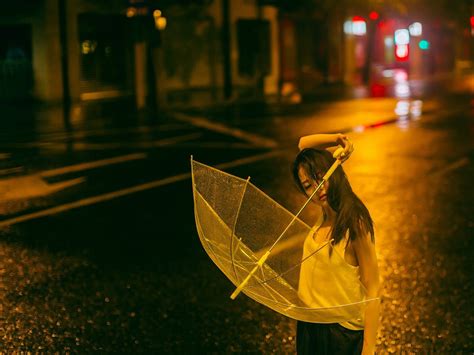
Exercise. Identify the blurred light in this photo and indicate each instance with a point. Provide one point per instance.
(424, 44)
(388, 41)
(402, 90)
(373, 15)
(88, 46)
(290, 92)
(382, 24)
(402, 36)
(415, 29)
(403, 122)
(359, 128)
(160, 23)
(131, 11)
(387, 73)
(288, 88)
(401, 52)
(400, 75)
(402, 108)
(348, 27)
(416, 109)
(360, 92)
(359, 27)
(377, 90)
(472, 21)
(156, 13)
(377, 124)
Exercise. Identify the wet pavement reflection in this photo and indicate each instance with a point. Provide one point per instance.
(128, 275)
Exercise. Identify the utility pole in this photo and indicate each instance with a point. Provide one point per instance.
(64, 61)
(227, 65)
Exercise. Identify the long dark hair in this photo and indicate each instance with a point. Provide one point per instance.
(352, 215)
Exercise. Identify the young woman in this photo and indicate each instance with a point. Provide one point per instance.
(347, 264)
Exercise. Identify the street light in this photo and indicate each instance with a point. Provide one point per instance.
(160, 21)
(415, 29)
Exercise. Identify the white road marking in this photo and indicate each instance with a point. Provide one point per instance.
(221, 128)
(91, 165)
(11, 170)
(31, 186)
(136, 145)
(112, 131)
(86, 96)
(102, 146)
(127, 191)
(252, 159)
(217, 145)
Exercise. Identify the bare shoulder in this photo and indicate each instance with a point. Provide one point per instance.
(364, 249)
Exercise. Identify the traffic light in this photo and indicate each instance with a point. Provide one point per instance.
(402, 46)
(424, 44)
(373, 15)
(401, 52)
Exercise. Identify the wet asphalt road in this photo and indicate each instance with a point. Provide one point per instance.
(126, 274)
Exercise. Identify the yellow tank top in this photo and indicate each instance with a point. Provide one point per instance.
(328, 280)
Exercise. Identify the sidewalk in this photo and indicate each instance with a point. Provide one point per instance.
(28, 120)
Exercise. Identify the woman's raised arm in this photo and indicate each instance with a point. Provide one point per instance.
(329, 142)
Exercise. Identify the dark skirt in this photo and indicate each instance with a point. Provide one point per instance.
(314, 338)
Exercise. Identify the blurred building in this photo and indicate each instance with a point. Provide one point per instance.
(198, 52)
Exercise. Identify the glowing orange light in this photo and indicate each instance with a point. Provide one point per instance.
(160, 23)
(131, 11)
(373, 15)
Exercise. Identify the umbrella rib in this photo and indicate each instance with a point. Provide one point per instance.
(295, 266)
(232, 252)
(269, 291)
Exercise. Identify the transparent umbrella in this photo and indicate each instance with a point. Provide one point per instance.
(259, 246)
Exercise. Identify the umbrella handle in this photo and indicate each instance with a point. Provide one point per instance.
(338, 155)
(246, 280)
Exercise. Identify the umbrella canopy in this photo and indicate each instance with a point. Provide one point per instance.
(238, 224)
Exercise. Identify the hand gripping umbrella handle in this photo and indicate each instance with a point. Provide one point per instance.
(337, 155)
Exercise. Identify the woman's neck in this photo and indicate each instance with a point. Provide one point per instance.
(329, 216)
